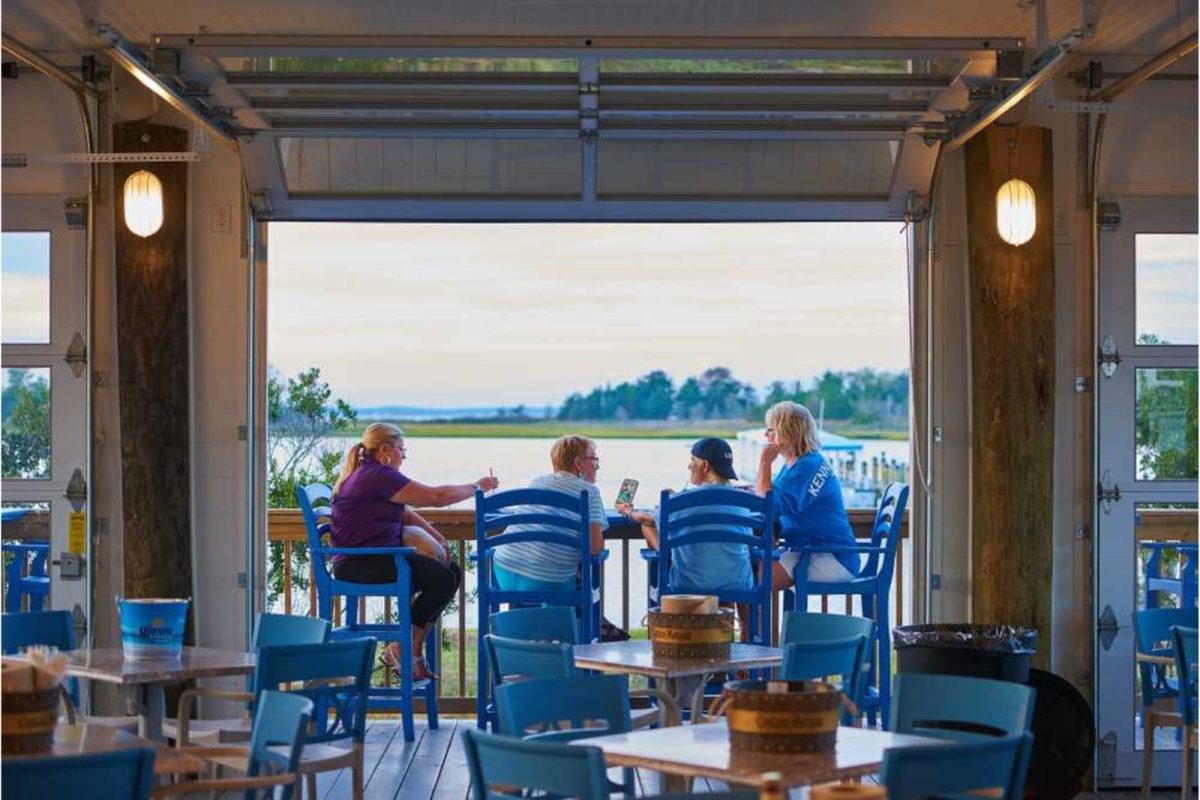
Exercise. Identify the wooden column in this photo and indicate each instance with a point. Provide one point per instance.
(1012, 386)
(153, 355)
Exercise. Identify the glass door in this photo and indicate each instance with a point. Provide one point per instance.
(1147, 448)
(44, 372)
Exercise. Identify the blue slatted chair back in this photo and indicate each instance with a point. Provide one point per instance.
(123, 774)
(720, 515)
(335, 676)
(806, 626)
(511, 659)
(959, 708)
(21, 629)
(564, 770)
(873, 585)
(275, 629)
(568, 524)
(1185, 665)
(542, 624)
(822, 660)
(1152, 630)
(316, 507)
(913, 773)
(564, 709)
(277, 737)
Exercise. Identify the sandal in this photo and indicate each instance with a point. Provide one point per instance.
(420, 671)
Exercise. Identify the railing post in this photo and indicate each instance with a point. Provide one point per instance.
(462, 621)
(287, 576)
(625, 584)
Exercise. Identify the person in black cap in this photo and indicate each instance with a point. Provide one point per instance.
(711, 566)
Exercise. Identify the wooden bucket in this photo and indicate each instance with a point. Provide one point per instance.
(702, 636)
(781, 716)
(27, 721)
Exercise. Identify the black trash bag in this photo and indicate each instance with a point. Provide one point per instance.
(999, 652)
(993, 638)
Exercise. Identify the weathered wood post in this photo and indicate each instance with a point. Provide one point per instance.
(1011, 385)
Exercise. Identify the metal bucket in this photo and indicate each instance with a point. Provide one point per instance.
(27, 722)
(781, 716)
(700, 636)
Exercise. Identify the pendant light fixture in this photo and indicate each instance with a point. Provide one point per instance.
(1016, 205)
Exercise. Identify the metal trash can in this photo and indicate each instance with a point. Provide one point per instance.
(999, 652)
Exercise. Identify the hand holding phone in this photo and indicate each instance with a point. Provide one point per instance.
(628, 490)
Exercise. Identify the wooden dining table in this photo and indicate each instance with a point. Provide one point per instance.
(79, 740)
(148, 677)
(679, 676)
(691, 751)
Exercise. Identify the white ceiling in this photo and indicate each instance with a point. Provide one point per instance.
(1144, 27)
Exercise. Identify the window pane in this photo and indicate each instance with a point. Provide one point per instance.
(26, 432)
(1166, 303)
(26, 296)
(1166, 430)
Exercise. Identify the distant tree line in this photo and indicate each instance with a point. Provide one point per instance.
(863, 396)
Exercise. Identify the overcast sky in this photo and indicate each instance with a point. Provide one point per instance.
(501, 314)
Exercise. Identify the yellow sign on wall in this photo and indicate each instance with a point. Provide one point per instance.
(77, 532)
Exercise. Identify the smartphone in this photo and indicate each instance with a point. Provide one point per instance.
(628, 490)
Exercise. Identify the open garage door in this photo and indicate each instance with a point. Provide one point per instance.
(550, 128)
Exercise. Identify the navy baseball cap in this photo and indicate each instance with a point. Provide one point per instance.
(718, 454)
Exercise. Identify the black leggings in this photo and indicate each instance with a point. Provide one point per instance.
(433, 582)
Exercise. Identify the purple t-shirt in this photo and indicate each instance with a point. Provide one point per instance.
(363, 513)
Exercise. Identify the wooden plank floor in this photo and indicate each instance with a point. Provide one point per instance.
(434, 767)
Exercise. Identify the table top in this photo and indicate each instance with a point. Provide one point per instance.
(111, 666)
(636, 658)
(78, 740)
(703, 751)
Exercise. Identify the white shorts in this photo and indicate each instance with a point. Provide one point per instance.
(822, 567)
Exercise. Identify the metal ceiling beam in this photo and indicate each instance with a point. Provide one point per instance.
(139, 65)
(1152, 67)
(829, 107)
(428, 81)
(900, 47)
(38, 62)
(1044, 68)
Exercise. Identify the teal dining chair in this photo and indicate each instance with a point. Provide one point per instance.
(1186, 667)
(1159, 691)
(965, 769)
(537, 624)
(272, 759)
(123, 774)
(960, 708)
(824, 659)
(554, 768)
(269, 630)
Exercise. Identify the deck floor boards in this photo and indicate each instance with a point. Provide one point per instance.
(434, 767)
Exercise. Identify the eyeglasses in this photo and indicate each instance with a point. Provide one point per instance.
(593, 459)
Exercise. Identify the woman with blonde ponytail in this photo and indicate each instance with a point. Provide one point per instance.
(371, 502)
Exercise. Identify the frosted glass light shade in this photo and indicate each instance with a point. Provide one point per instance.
(143, 203)
(1016, 212)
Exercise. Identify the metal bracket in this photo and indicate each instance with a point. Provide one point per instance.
(1106, 763)
(260, 204)
(1107, 627)
(1109, 358)
(76, 493)
(1083, 531)
(76, 355)
(75, 211)
(916, 207)
(1109, 216)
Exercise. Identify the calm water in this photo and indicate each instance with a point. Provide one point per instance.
(656, 463)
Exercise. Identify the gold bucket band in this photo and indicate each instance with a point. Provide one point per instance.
(691, 635)
(743, 721)
(22, 722)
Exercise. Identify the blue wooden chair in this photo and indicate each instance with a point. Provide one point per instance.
(873, 586)
(314, 503)
(820, 660)
(958, 770)
(123, 774)
(272, 759)
(1160, 692)
(269, 630)
(958, 708)
(567, 710)
(1186, 657)
(336, 677)
(1182, 585)
(538, 624)
(805, 626)
(495, 513)
(691, 518)
(25, 575)
(555, 768)
(517, 659)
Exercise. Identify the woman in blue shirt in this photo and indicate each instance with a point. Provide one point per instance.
(808, 499)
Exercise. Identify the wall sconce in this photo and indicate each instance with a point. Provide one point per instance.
(143, 203)
(1016, 212)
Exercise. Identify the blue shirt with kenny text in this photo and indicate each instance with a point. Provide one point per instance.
(808, 505)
